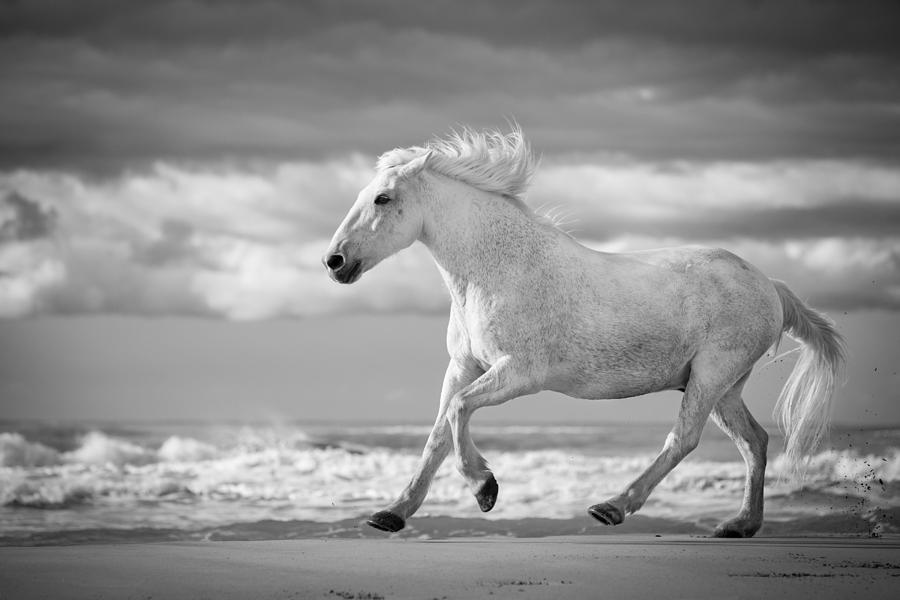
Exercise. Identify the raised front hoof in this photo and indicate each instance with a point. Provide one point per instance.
(386, 521)
(607, 513)
(736, 528)
(487, 494)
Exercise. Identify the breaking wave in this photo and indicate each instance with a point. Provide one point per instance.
(182, 481)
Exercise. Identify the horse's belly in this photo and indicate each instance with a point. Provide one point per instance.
(617, 387)
(625, 371)
(610, 388)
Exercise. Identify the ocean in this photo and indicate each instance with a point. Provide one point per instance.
(63, 483)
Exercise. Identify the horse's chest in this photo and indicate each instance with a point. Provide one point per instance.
(481, 335)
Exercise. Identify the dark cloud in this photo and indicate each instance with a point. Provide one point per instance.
(850, 219)
(29, 220)
(791, 26)
(102, 84)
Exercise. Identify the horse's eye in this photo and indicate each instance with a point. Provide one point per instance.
(382, 199)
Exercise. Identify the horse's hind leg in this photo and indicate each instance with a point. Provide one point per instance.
(711, 377)
(732, 416)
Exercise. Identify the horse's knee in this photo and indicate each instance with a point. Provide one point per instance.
(457, 410)
(682, 445)
(688, 445)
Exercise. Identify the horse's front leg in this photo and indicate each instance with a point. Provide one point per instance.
(500, 383)
(393, 518)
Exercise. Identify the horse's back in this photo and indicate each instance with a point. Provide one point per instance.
(729, 297)
(681, 259)
(715, 285)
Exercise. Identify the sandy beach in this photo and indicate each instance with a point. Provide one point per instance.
(609, 566)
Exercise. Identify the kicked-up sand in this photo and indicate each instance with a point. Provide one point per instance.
(618, 566)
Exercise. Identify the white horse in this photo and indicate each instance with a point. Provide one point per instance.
(532, 309)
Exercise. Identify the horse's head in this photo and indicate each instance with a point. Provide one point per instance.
(386, 218)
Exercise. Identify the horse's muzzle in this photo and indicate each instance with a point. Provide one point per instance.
(345, 272)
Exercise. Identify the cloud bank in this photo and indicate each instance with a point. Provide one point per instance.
(247, 244)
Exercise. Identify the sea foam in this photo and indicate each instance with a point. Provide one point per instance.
(158, 479)
(15, 451)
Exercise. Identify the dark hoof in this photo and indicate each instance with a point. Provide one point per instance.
(606, 513)
(386, 521)
(487, 495)
(732, 529)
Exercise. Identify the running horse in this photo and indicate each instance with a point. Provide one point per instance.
(532, 309)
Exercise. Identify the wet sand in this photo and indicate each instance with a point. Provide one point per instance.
(608, 566)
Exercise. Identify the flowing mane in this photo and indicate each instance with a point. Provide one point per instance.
(500, 163)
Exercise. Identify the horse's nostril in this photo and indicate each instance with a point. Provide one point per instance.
(335, 262)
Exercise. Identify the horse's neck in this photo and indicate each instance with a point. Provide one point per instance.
(479, 240)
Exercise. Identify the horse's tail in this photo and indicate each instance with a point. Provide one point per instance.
(804, 404)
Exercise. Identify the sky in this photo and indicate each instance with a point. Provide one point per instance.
(171, 173)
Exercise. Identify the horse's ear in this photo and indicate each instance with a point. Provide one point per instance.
(415, 165)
